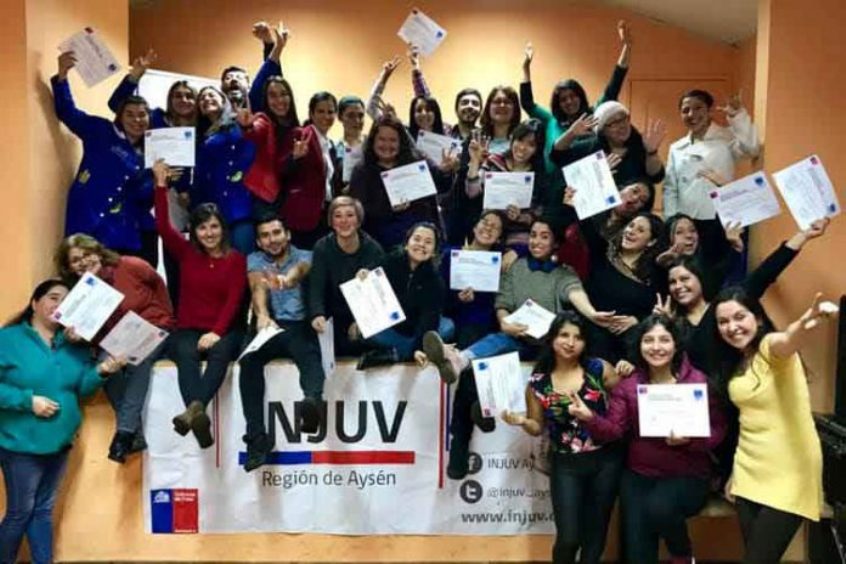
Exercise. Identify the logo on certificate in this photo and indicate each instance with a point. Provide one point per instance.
(641, 390)
(698, 394)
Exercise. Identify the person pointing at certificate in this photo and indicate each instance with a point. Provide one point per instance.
(666, 479)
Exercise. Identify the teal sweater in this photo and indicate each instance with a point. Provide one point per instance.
(64, 373)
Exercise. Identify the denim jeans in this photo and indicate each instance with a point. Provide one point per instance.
(405, 344)
(127, 391)
(501, 343)
(31, 484)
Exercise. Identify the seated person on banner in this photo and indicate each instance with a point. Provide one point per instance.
(632, 156)
(212, 282)
(536, 277)
(776, 482)
(276, 273)
(523, 155)
(111, 195)
(388, 146)
(666, 480)
(42, 379)
(336, 259)
(569, 100)
(145, 294)
(584, 475)
(420, 292)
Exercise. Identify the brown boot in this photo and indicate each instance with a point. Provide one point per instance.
(182, 423)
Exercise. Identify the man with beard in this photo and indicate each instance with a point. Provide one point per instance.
(468, 108)
(275, 274)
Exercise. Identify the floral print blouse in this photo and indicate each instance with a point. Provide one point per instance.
(567, 434)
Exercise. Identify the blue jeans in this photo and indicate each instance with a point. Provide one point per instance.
(501, 343)
(405, 344)
(31, 484)
(127, 391)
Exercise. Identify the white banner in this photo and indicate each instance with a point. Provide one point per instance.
(376, 467)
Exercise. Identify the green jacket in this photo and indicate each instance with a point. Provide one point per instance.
(63, 373)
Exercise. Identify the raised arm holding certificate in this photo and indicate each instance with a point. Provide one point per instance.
(352, 156)
(808, 192)
(595, 189)
(88, 306)
(478, 270)
(677, 409)
(373, 303)
(175, 145)
(408, 183)
(746, 201)
(94, 62)
(133, 338)
(503, 189)
(421, 31)
(535, 317)
(501, 384)
(434, 146)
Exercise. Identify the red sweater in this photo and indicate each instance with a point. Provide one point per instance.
(144, 291)
(210, 289)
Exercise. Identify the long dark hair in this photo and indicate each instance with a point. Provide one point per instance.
(673, 220)
(642, 329)
(546, 360)
(431, 104)
(407, 154)
(39, 292)
(201, 214)
(578, 89)
(525, 129)
(291, 120)
(502, 220)
(645, 268)
(485, 121)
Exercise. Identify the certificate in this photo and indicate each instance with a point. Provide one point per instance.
(503, 189)
(352, 156)
(594, 185)
(133, 338)
(535, 317)
(260, 339)
(88, 306)
(327, 347)
(421, 31)
(173, 144)
(746, 201)
(478, 270)
(807, 191)
(373, 303)
(678, 408)
(434, 146)
(501, 384)
(94, 62)
(408, 183)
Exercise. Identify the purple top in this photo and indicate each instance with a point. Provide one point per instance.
(652, 456)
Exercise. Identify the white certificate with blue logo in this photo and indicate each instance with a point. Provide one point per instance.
(680, 409)
(133, 338)
(478, 270)
(408, 183)
(503, 189)
(501, 384)
(88, 306)
(746, 201)
(373, 303)
(94, 61)
(593, 183)
(435, 146)
(421, 31)
(535, 317)
(807, 190)
(175, 145)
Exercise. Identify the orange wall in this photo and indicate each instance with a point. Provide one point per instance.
(806, 78)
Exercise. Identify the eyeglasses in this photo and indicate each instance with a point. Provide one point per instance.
(501, 102)
(624, 119)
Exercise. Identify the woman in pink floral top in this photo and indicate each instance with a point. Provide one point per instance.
(584, 475)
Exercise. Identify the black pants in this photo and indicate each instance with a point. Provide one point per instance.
(766, 531)
(299, 342)
(654, 508)
(583, 487)
(149, 250)
(194, 385)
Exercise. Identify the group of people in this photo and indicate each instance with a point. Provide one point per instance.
(278, 220)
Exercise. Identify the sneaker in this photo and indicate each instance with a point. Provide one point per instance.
(119, 448)
(311, 415)
(446, 359)
(459, 459)
(486, 424)
(377, 357)
(257, 450)
(201, 426)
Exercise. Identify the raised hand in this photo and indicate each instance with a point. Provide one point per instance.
(67, 60)
(733, 105)
(388, 67)
(44, 407)
(577, 407)
(262, 32)
(300, 149)
(818, 311)
(613, 160)
(281, 35)
(625, 32)
(449, 161)
(528, 55)
(817, 228)
(386, 109)
(478, 147)
(656, 131)
(413, 55)
(584, 125)
(141, 64)
(161, 172)
(663, 307)
(734, 236)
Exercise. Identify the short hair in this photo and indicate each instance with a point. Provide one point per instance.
(343, 201)
(232, 68)
(467, 92)
(86, 243)
(267, 217)
(318, 97)
(703, 95)
(348, 102)
(133, 100)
